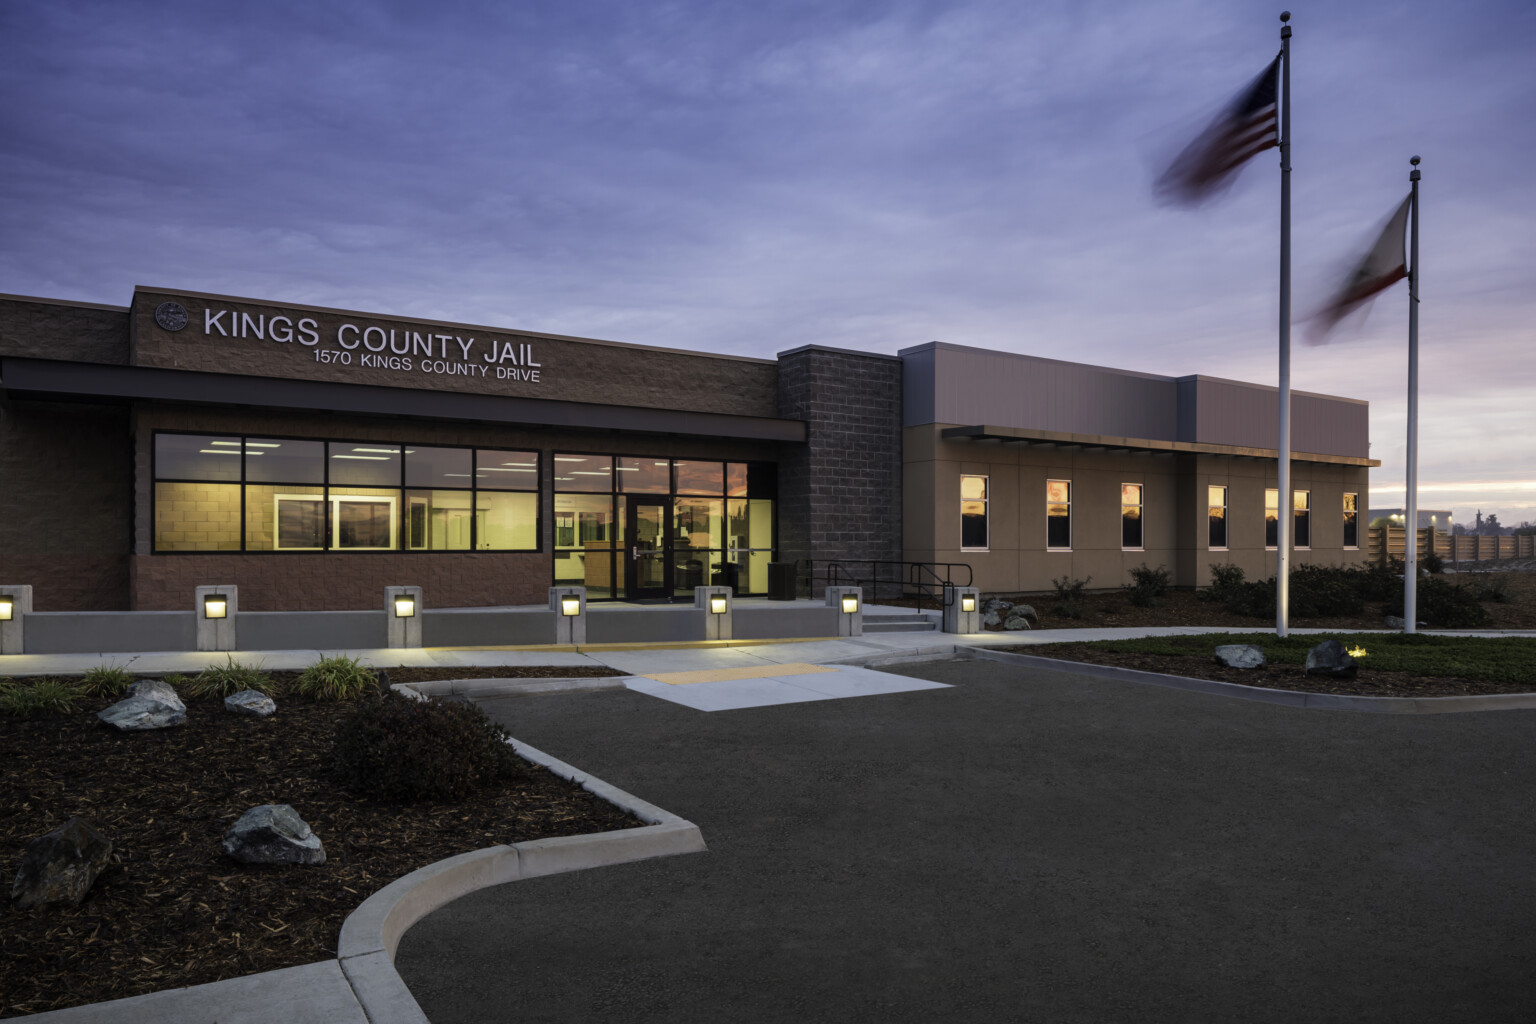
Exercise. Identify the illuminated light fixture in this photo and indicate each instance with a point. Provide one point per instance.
(215, 606)
(235, 443)
(570, 604)
(568, 458)
(717, 604)
(589, 472)
(967, 602)
(405, 607)
(7, 608)
(850, 604)
(386, 451)
(370, 458)
(220, 451)
(1358, 652)
(499, 469)
(261, 444)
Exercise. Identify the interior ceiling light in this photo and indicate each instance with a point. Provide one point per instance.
(369, 458)
(386, 451)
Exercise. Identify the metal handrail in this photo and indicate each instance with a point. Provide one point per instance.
(933, 581)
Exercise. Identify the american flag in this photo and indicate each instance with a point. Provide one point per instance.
(1381, 266)
(1248, 126)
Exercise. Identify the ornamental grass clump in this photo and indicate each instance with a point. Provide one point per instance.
(337, 677)
(228, 679)
(105, 681)
(38, 699)
(400, 750)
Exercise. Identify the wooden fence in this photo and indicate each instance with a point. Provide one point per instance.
(1387, 542)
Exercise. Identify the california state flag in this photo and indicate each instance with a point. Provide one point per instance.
(1383, 265)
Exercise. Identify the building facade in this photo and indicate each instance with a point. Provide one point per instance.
(313, 456)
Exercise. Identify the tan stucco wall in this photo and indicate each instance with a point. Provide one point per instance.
(1174, 514)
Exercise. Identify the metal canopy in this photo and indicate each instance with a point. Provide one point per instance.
(1096, 444)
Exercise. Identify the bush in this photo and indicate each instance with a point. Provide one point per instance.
(1226, 580)
(1147, 585)
(1432, 564)
(1325, 590)
(1069, 596)
(1488, 587)
(44, 697)
(336, 678)
(229, 678)
(105, 681)
(1443, 605)
(399, 750)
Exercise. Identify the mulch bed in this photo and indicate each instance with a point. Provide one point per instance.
(1369, 683)
(171, 909)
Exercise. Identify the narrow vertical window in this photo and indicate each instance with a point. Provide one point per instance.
(1130, 516)
(1351, 523)
(1271, 517)
(1058, 514)
(1301, 504)
(1216, 500)
(973, 513)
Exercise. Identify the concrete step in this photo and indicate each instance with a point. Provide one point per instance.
(913, 623)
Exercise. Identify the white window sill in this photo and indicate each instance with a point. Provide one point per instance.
(1133, 549)
(1218, 549)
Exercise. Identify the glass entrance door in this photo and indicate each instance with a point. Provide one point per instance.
(648, 572)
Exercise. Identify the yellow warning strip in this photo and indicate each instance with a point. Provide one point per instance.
(720, 675)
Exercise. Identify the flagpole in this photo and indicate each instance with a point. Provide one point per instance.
(1411, 549)
(1284, 527)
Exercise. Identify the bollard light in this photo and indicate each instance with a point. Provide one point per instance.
(7, 608)
(570, 604)
(405, 606)
(215, 606)
(850, 603)
(967, 602)
(717, 604)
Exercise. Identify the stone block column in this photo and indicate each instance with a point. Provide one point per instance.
(956, 618)
(215, 608)
(402, 611)
(848, 623)
(717, 625)
(13, 638)
(569, 629)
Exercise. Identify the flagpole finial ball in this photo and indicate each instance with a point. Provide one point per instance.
(1414, 160)
(1285, 15)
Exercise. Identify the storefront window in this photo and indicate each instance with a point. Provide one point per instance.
(589, 473)
(437, 467)
(585, 535)
(438, 520)
(363, 518)
(197, 517)
(701, 478)
(364, 464)
(269, 460)
(193, 457)
(643, 476)
(284, 517)
(507, 520)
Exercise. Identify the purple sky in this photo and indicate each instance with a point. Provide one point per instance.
(748, 178)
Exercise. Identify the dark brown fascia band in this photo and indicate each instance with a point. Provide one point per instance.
(1095, 442)
(47, 378)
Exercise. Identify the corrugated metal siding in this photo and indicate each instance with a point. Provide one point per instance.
(917, 386)
(1230, 412)
(1027, 392)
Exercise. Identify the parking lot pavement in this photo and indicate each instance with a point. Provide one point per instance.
(1019, 846)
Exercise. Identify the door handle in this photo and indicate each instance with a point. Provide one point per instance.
(634, 552)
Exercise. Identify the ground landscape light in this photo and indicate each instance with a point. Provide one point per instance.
(570, 604)
(7, 608)
(215, 606)
(717, 604)
(968, 602)
(850, 603)
(405, 606)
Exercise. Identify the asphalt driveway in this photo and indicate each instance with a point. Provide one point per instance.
(1023, 846)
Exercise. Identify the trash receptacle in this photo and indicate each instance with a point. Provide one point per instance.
(781, 581)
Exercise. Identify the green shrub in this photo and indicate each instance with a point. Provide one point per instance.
(1147, 585)
(1379, 582)
(44, 697)
(1432, 564)
(400, 750)
(1325, 590)
(1069, 596)
(229, 678)
(105, 681)
(1487, 587)
(1226, 580)
(1443, 605)
(336, 678)
(175, 680)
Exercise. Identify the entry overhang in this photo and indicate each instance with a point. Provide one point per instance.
(1098, 443)
(48, 378)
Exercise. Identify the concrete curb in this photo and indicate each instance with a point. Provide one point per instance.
(509, 687)
(1290, 698)
(371, 933)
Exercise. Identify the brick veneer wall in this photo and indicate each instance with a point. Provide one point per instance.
(338, 582)
(840, 493)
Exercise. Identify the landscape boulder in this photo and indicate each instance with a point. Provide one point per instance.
(61, 866)
(150, 704)
(1240, 656)
(1026, 612)
(1016, 621)
(273, 834)
(250, 702)
(1330, 659)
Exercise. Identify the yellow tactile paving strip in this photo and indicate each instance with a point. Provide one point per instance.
(720, 675)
